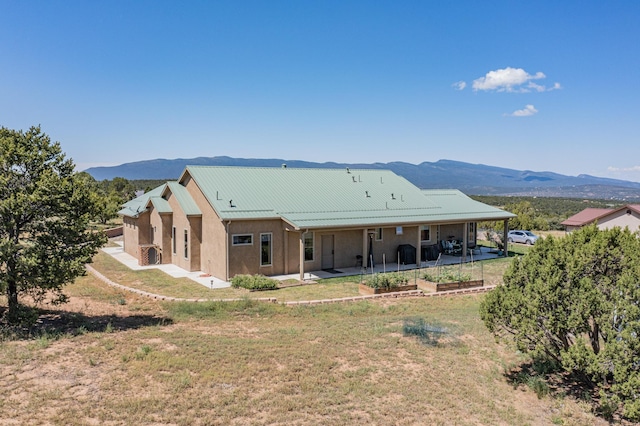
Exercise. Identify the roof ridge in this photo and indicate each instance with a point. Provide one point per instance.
(341, 169)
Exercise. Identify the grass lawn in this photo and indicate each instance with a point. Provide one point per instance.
(156, 281)
(112, 357)
(131, 360)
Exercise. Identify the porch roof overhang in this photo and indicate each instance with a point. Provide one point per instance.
(390, 220)
(373, 219)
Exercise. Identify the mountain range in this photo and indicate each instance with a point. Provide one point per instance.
(472, 179)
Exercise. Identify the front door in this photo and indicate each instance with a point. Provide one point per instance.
(327, 252)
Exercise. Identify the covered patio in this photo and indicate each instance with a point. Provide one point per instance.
(480, 254)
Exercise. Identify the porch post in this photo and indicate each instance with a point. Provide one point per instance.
(505, 240)
(301, 255)
(419, 248)
(465, 239)
(365, 255)
(285, 234)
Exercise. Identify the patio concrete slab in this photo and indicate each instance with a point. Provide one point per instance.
(389, 267)
(200, 277)
(172, 270)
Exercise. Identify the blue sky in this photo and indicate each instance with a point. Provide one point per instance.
(545, 86)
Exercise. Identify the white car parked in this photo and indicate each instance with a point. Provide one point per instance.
(523, 237)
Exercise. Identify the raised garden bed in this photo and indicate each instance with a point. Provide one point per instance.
(365, 290)
(458, 285)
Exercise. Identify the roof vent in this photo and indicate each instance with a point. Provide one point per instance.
(284, 165)
(354, 178)
(348, 171)
(366, 193)
(231, 203)
(393, 197)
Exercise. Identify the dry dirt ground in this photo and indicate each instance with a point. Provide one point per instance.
(101, 373)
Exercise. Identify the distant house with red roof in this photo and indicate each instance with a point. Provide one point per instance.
(624, 217)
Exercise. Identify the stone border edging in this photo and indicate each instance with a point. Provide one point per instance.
(411, 293)
(161, 297)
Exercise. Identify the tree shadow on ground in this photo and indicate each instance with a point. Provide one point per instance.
(547, 381)
(38, 322)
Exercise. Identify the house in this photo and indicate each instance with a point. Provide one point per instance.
(226, 221)
(627, 216)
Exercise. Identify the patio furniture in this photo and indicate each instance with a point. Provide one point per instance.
(472, 247)
(406, 254)
(358, 260)
(430, 252)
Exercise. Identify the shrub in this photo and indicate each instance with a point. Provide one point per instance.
(386, 281)
(447, 276)
(575, 300)
(254, 282)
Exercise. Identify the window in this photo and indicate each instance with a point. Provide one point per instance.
(378, 234)
(472, 232)
(308, 246)
(242, 239)
(186, 244)
(398, 230)
(265, 249)
(425, 233)
(173, 240)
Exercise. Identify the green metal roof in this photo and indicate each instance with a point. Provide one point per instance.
(160, 204)
(139, 204)
(188, 206)
(324, 198)
(154, 197)
(455, 205)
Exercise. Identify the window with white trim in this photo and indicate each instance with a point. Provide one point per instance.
(378, 234)
(186, 244)
(174, 243)
(265, 249)
(308, 246)
(472, 232)
(425, 233)
(242, 239)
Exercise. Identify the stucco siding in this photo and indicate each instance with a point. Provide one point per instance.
(624, 219)
(160, 234)
(387, 249)
(246, 258)
(130, 235)
(181, 224)
(455, 230)
(213, 235)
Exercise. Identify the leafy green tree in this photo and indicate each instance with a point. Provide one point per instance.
(575, 301)
(112, 195)
(120, 186)
(45, 209)
(528, 217)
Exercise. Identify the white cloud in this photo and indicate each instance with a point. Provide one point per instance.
(459, 85)
(528, 111)
(623, 169)
(627, 173)
(512, 80)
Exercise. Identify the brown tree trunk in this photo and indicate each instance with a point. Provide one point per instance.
(595, 338)
(12, 292)
(12, 297)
